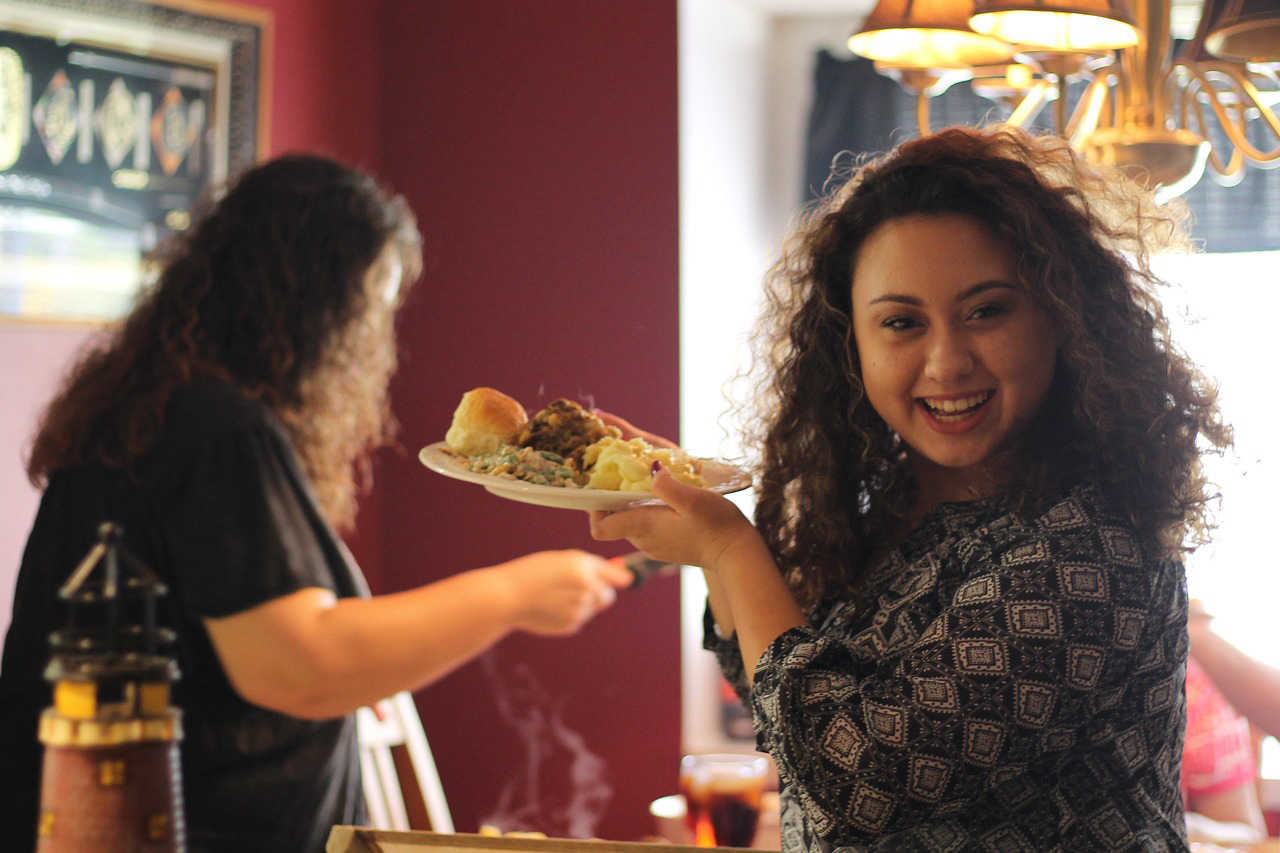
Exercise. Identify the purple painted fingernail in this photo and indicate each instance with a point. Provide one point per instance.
(655, 468)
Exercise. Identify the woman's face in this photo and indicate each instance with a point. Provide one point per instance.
(956, 355)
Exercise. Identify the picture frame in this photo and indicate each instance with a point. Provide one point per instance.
(117, 117)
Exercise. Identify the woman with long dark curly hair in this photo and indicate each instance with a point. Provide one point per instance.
(226, 426)
(960, 617)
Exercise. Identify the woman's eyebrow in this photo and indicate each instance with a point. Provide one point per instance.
(907, 299)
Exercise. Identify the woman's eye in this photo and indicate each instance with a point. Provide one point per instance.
(987, 311)
(899, 324)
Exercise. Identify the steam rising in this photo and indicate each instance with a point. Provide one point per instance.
(560, 787)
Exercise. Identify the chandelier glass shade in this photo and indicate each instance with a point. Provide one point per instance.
(1244, 30)
(1082, 25)
(927, 34)
(1165, 117)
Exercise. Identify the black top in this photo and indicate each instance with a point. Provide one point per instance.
(999, 683)
(222, 512)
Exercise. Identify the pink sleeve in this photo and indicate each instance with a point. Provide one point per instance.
(1218, 754)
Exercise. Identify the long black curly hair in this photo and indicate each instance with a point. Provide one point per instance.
(1126, 410)
(268, 291)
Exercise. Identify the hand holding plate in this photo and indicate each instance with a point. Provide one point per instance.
(697, 527)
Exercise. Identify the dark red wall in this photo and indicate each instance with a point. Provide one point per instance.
(325, 89)
(537, 143)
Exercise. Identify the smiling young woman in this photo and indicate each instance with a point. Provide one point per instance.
(960, 616)
(956, 356)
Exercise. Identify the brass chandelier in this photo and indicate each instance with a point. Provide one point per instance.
(1165, 116)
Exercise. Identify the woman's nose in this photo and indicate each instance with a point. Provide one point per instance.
(949, 358)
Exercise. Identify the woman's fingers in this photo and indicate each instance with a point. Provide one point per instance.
(678, 496)
(694, 528)
(595, 520)
(630, 430)
(681, 497)
(632, 524)
(560, 591)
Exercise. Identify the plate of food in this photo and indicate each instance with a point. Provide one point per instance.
(564, 456)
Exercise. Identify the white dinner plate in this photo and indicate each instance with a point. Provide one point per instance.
(720, 477)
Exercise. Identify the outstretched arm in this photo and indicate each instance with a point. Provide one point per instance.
(311, 655)
(1236, 807)
(1251, 686)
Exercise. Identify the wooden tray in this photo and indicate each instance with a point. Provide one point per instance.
(355, 839)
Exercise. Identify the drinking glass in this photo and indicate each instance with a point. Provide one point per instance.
(722, 794)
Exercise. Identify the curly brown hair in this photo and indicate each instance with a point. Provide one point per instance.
(266, 291)
(1126, 410)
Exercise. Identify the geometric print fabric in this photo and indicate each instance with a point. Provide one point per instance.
(1002, 683)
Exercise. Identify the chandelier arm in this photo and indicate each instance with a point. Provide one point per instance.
(1235, 164)
(1245, 89)
(1121, 107)
(1250, 91)
(1084, 118)
(1234, 167)
(1177, 97)
(1117, 95)
(1031, 103)
(1060, 101)
(1187, 104)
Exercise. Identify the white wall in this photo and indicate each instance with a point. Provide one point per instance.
(722, 83)
(745, 70)
(1222, 314)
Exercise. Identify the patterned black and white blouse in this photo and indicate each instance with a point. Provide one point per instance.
(1001, 683)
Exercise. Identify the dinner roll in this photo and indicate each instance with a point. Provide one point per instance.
(485, 420)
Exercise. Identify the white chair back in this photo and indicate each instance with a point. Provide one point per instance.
(392, 726)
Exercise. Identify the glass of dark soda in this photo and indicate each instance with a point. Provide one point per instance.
(722, 794)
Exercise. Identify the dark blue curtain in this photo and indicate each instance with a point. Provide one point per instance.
(857, 111)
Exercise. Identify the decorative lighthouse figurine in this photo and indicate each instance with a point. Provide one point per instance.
(111, 781)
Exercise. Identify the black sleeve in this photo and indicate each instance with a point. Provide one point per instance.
(241, 526)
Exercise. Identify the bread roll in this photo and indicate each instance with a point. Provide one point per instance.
(485, 420)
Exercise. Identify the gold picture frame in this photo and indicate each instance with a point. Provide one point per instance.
(116, 116)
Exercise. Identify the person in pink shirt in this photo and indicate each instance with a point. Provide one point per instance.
(1219, 764)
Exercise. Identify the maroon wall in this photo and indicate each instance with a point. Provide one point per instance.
(325, 92)
(537, 143)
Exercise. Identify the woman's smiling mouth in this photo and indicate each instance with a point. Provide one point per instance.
(955, 410)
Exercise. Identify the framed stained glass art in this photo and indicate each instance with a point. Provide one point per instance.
(116, 116)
